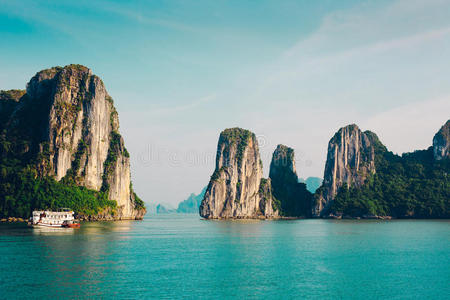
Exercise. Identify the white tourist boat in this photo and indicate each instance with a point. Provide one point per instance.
(55, 219)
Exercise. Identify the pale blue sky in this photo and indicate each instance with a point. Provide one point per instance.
(291, 71)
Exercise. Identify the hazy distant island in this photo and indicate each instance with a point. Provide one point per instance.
(362, 179)
(312, 183)
(188, 206)
(60, 146)
(192, 203)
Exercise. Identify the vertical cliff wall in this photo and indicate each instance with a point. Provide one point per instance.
(75, 129)
(350, 160)
(293, 196)
(235, 189)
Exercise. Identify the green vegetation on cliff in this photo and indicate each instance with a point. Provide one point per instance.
(22, 191)
(412, 185)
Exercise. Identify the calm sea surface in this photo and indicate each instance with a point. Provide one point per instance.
(181, 256)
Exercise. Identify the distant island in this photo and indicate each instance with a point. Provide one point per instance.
(161, 209)
(362, 179)
(192, 203)
(312, 183)
(187, 206)
(60, 146)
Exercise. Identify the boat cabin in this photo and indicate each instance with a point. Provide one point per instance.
(52, 218)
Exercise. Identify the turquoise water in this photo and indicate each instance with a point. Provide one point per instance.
(181, 256)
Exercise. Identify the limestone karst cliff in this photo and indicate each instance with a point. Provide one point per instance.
(236, 188)
(71, 130)
(441, 142)
(362, 179)
(350, 160)
(413, 185)
(293, 196)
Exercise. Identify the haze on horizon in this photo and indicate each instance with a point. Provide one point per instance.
(293, 72)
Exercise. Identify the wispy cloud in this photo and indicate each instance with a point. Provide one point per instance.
(410, 127)
(359, 53)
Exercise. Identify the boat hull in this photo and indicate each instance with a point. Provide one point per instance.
(47, 225)
(74, 225)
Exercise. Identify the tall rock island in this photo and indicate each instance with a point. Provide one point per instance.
(65, 126)
(293, 196)
(441, 142)
(350, 160)
(236, 188)
(363, 179)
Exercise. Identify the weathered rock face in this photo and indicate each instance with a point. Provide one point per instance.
(236, 189)
(441, 142)
(350, 160)
(78, 134)
(293, 196)
(268, 205)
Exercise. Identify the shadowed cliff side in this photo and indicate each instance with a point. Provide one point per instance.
(293, 196)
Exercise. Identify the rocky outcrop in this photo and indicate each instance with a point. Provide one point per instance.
(350, 160)
(236, 189)
(76, 132)
(293, 196)
(441, 142)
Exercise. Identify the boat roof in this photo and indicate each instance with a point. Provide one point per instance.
(52, 211)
